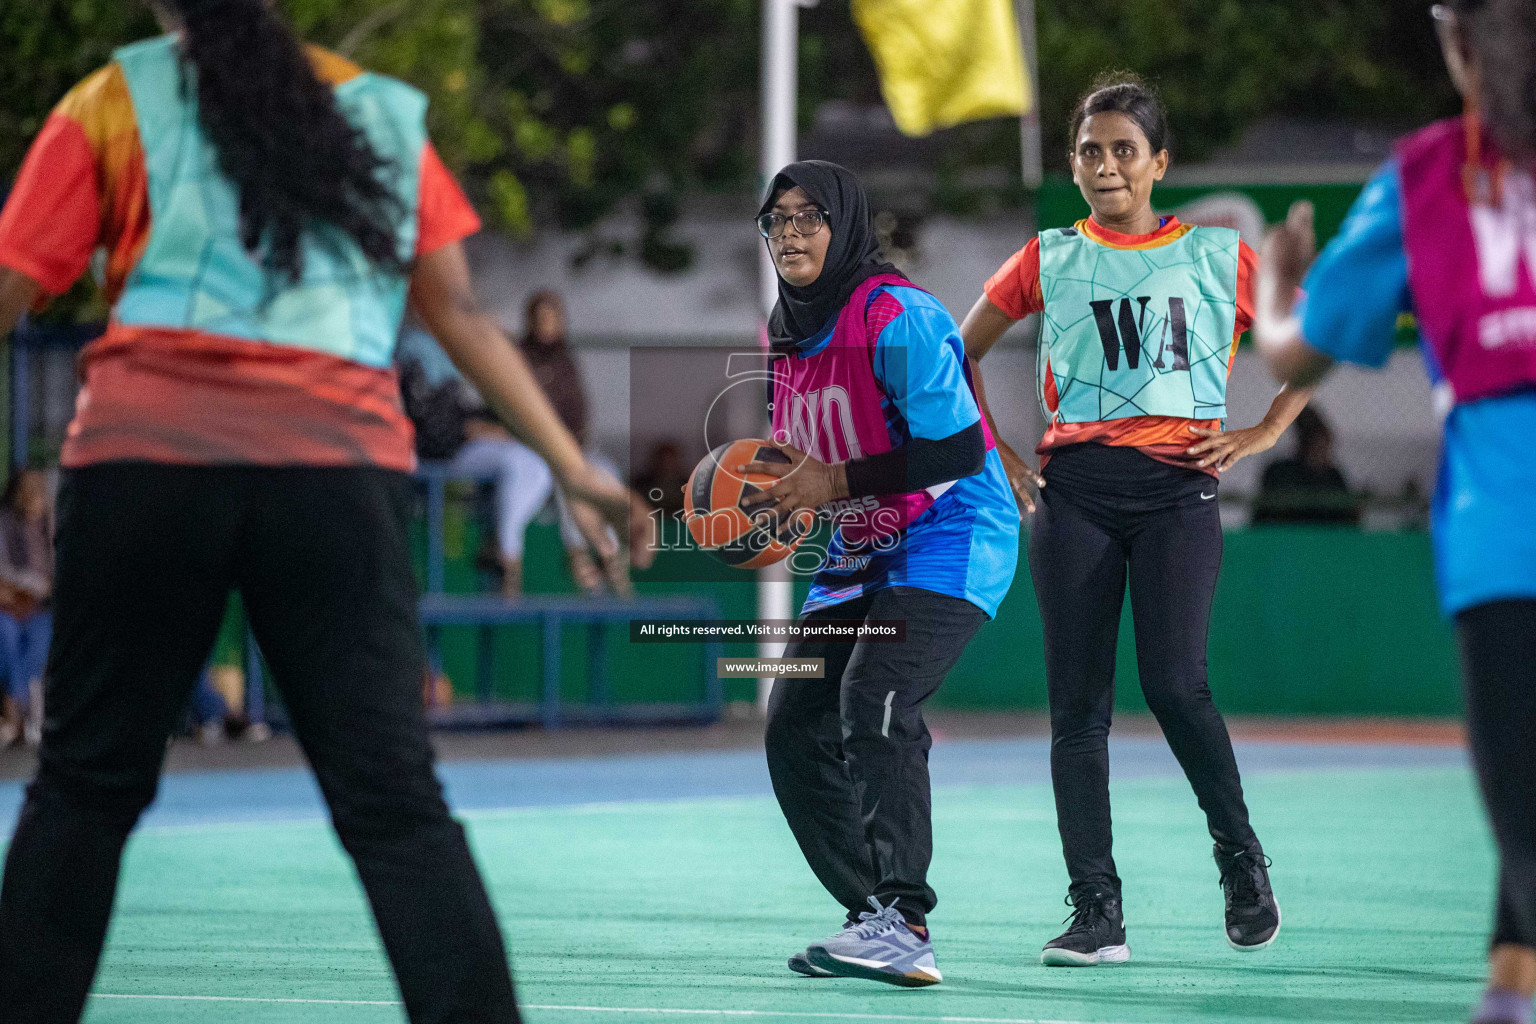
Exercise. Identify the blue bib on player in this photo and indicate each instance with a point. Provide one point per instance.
(196, 274)
(1137, 332)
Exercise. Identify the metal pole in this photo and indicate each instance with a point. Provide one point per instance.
(1029, 124)
(775, 590)
(781, 20)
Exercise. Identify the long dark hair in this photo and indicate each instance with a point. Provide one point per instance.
(1124, 93)
(1503, 35)
(297, 161)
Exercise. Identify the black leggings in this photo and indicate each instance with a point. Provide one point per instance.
(848, 754)
(147, 555)
(1498, 658)
(1102, 512)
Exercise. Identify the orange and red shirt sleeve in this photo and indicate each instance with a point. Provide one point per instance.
(443, 214)
(52, 218)
(81, 186)
(1015, 288)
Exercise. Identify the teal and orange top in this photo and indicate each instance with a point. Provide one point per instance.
(1140, 333)
(200, 364)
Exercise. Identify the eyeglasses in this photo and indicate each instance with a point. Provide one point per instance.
(806, 222)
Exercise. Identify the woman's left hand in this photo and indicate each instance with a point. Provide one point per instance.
(804, 482)
(1222, 448)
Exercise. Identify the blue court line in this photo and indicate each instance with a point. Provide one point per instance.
(287, 794)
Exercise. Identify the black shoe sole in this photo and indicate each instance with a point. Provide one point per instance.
(843, 969)
(801, 965)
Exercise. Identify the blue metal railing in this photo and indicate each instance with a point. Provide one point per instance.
(552, 614)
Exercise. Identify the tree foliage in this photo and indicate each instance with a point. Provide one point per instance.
(46, 46)
(558, 112)
(553, 111)
(1222, 63)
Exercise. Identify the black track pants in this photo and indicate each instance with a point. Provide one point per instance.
(1498, 657)
(147, 555)
(1106, 515)
(848, 754)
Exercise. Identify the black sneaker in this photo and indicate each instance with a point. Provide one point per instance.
(1253, 916)
(1096, 934)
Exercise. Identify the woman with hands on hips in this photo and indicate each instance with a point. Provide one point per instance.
(1140, 317)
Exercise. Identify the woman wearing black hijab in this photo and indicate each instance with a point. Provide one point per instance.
(873, 406)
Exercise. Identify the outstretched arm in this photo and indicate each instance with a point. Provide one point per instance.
(1287, 253)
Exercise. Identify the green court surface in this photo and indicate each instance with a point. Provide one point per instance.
(686, 910)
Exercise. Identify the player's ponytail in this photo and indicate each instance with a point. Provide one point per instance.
(297, 162)
(1502, 34)
(1125, 93)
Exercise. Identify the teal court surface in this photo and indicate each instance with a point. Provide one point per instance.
(667, 888)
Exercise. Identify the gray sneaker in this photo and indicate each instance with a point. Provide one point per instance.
(800, 963)
(880, 947)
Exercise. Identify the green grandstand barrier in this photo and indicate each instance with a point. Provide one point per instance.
(636, 673)
(1308, 620)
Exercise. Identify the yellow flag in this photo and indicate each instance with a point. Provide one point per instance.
(943, 62)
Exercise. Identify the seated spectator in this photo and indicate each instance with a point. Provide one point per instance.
(452, 422)
(26, 587)
(212, 720)
(581, 529)
(1307, 487)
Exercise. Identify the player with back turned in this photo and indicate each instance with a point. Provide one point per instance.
(1447, 230)
(1140, 321)
(267, 211)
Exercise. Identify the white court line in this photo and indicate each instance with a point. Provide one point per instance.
(248, 999)
(796, 1014)
(808, 1015)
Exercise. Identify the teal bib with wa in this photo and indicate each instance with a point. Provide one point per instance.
(196, 274)
(1137, 332)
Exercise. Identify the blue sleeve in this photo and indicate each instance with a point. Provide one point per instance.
(1359, 284)
(919, 362)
